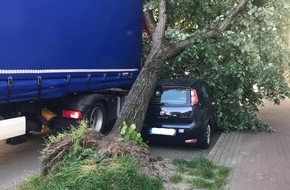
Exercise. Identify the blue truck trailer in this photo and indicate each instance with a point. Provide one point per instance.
(63, 61)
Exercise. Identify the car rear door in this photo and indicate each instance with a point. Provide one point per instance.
(170, 104)
(206, 103)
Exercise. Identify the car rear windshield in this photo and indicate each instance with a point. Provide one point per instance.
(173, 96)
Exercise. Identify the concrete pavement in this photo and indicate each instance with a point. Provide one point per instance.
(259, 161)
(18, 162)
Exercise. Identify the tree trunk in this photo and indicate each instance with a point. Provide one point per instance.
(136, 104)
(137, 101)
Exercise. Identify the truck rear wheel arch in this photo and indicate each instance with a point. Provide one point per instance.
(86, 104)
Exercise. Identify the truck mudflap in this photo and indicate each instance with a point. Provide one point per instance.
(45, 118)
(12, 127)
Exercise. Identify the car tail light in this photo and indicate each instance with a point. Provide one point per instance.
(194, 98)
(71, 114)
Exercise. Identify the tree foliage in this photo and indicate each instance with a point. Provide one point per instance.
(232, 44)
(253, 52)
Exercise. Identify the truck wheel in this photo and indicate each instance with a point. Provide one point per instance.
(97, 116)
(207, 138)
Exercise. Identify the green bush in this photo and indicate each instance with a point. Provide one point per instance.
(129, 133)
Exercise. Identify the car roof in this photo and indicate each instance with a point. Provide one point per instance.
(186, 82)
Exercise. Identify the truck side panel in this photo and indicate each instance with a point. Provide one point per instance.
(49, 48)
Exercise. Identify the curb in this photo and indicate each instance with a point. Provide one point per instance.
(227, 148)
(226, 152)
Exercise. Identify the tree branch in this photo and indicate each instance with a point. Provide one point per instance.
(177, 48)
(232, 15)
(215, 33)
(159, 32)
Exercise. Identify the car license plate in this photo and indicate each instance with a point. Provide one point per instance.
(162, 131)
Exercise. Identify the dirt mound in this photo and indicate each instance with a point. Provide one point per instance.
(53, 154)
(107, 146)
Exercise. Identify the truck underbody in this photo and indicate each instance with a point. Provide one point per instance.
(97, 108)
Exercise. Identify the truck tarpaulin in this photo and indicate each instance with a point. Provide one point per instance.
(50, 48)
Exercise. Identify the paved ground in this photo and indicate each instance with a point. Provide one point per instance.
(19, 161)
(260, 161)
(183, 152)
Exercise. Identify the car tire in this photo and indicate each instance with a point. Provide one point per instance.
(207, 138)
(97, 117)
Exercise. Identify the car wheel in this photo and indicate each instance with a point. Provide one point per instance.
(207, 138)
(96, 117)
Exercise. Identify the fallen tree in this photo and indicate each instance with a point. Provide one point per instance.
(137, 101)
(136, 104)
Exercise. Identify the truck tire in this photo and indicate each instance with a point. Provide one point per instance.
(207, 138)
(97, 117)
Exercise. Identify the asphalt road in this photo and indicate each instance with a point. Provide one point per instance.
(17, 162)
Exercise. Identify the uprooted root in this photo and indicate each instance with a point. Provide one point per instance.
(107, 146)
(54, 153)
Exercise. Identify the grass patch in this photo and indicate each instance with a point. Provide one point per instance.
(202, 183)
(83, 169)
(176, 178)
(203, 173)
(77, 132)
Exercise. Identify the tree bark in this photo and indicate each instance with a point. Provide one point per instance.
(137, 101)
(150, 22)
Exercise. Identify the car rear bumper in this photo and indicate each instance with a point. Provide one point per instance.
(184, 134)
